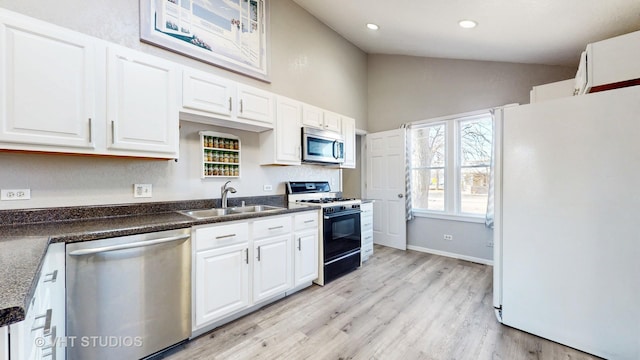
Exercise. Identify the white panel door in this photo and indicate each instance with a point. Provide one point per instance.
(332, 122)
(312, 116)
(288, 123)
(272, 267)
(142, 109)
(221, 283)
(48, 77)
(306, 256)
(385, 183)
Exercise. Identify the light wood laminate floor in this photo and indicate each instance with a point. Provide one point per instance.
(399, 305)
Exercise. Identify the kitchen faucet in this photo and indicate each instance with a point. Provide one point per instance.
(223, 193)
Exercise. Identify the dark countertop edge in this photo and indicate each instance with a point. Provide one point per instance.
(13, 314)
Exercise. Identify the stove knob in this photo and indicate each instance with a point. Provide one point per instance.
(356, 206)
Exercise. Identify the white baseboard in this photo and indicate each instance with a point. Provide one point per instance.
(451, 255)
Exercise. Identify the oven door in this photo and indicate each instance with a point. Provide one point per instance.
(341, 234)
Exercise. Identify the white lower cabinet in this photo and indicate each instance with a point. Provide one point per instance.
(41, 333)
(242, 265)
(366, 226)
(272, 266)
(305, 248)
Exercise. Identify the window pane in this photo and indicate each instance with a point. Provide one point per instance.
(474, 188)
(475, 141)
(427, 189)
(427, 146)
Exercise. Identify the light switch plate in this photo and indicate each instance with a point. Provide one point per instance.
(142, 190)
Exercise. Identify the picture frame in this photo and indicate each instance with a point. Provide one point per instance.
(231, 34)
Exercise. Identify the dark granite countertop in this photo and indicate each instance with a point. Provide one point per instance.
(23, 244)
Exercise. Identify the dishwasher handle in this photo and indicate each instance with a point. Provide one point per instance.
(128, 246)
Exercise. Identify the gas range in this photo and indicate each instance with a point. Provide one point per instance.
(339, 227)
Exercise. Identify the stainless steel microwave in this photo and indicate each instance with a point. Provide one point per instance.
(322, 146)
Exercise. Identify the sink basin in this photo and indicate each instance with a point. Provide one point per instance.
(209, 213)
(206, 213)
(254, 208)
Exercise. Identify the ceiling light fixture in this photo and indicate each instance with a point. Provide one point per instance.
(373, 26)
(467, 24)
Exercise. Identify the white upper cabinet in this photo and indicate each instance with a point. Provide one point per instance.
(349, 135)
(321, 119)
(66, 92)
(282, 144)
(210, 99)
(142, 111)
(206, 92)
(48, 77)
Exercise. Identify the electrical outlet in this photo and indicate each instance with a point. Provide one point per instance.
(142, 190)
(15, 194)
(267, 188)
(448, 237)
(489, 243)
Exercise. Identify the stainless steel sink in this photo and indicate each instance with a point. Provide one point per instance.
(205, 213)
(254, 208)
(210, 213)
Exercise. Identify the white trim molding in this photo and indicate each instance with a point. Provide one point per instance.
(451, 255)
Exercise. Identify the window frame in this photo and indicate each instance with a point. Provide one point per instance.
(453, 167)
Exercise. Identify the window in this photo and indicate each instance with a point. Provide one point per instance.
(450, 165)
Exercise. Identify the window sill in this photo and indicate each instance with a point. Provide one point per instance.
(441, 216)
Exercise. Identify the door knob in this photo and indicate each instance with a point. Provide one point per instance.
(400, 196)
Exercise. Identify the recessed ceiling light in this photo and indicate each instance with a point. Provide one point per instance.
(467, 24)
(373, 26)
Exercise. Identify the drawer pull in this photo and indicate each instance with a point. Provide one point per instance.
(309, 221)
(276, 227)
(52, 279)
(47, 323)
(225, 236)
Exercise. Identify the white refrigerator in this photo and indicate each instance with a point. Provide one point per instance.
(567, 222)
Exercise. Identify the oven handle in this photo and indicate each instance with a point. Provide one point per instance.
(342, 257)
(341, 213)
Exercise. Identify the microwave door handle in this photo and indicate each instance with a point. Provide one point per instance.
(335, 149)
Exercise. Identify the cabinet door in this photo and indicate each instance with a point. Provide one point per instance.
(306, 256)
(48, 80)
(272, 267)
(288, 116)
(312, 116)
(142, 110)
(4, 343)
(349, 135)
(255, 104)
(205, 92)
(221, 283)
(332, 122)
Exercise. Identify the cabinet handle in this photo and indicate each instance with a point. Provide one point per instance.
(300, 244)
(90, 132)
(54, 276)
(258, 253)
(276, 227)
(241, 107)
(298, 151)
(225, 236)
(246, 255)
(230, 104)
(47, 323)
(113, 132)
(50, 347)
(309, 221)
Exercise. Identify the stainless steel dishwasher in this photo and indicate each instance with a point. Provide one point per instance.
(128, 297)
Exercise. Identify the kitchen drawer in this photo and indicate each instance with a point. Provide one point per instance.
(211, 237)
(367, 251)
(366, 223)
(307, 220)
(367, 237)
(271, 227)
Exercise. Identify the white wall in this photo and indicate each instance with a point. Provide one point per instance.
(309, 62)
(405, 88)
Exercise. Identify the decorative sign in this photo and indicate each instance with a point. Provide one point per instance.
(232, 34)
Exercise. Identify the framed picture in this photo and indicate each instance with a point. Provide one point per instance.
(232, 34)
